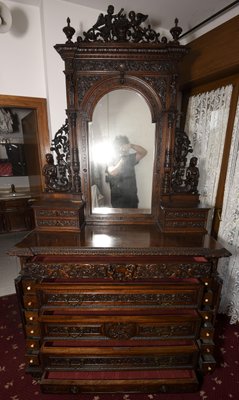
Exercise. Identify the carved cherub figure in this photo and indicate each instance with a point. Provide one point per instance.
(50, 173)
(192, 176)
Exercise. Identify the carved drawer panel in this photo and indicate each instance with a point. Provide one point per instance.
(67, 217)
(162, 381)
(97, 297)
(64, 356)
(75, 267)
(176, 219)
(131, 328)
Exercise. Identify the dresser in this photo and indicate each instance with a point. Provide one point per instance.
(120, 309)
(120, 299)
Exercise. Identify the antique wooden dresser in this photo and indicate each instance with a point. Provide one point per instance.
(119, 299)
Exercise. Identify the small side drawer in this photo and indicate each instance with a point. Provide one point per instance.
(207, 346)
(32, 359)
(30, 301)
(31, 317)
(207, 331)
(32, 345)
(32, 330)
(207, 363)
(28, 286)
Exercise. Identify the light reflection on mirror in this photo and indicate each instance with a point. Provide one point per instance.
(121, 181)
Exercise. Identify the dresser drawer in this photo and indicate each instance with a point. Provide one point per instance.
(87, 268)
(70, 356)
(185, 324)
(162, 381)
(67, 216)
(101, 297)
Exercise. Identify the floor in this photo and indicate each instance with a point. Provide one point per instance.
(9, 266)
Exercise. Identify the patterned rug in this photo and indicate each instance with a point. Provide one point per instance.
(15, 384)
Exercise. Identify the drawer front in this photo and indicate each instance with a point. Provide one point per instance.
(30, 301)
(118, 358)
(162, 381)
(99, 297)
(55, 213)
(61, 218)
(126, 328)
(59, 223)
(181, 268)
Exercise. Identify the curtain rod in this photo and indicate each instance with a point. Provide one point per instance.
(210, 18)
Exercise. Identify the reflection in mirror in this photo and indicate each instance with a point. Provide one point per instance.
(121, 143)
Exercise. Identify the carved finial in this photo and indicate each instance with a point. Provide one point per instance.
(176, 31)
(68, 31)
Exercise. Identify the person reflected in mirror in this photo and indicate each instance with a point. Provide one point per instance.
(121, 174)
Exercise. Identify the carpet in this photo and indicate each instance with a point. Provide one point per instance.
(15, 384)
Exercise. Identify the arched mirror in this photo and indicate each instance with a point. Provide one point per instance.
(121, 154)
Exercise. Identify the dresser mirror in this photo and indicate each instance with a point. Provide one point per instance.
(119, 117)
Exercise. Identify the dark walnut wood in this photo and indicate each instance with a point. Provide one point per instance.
(118, 308)
(119, 302)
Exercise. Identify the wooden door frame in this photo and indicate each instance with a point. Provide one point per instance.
(40, 106)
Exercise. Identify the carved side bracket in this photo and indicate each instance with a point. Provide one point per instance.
(58, 176)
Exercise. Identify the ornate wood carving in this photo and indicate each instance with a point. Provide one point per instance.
(121, 363)
(58, 177)
(118, 272)
(160, 299)
(118, 27)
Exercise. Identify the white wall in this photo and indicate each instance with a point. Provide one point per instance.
(30, 66)
(54, 15)
(22, 63)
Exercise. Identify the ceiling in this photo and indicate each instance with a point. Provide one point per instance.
(162, 13)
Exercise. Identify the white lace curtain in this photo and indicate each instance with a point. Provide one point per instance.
(229, 231)
(206, 124)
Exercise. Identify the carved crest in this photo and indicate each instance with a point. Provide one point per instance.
(118, 27)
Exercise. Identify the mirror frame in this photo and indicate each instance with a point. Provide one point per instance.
(40, 106)
(86, 115)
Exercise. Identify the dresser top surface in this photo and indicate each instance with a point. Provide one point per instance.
(119, 240)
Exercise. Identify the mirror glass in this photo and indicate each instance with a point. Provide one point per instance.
(121, 151)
